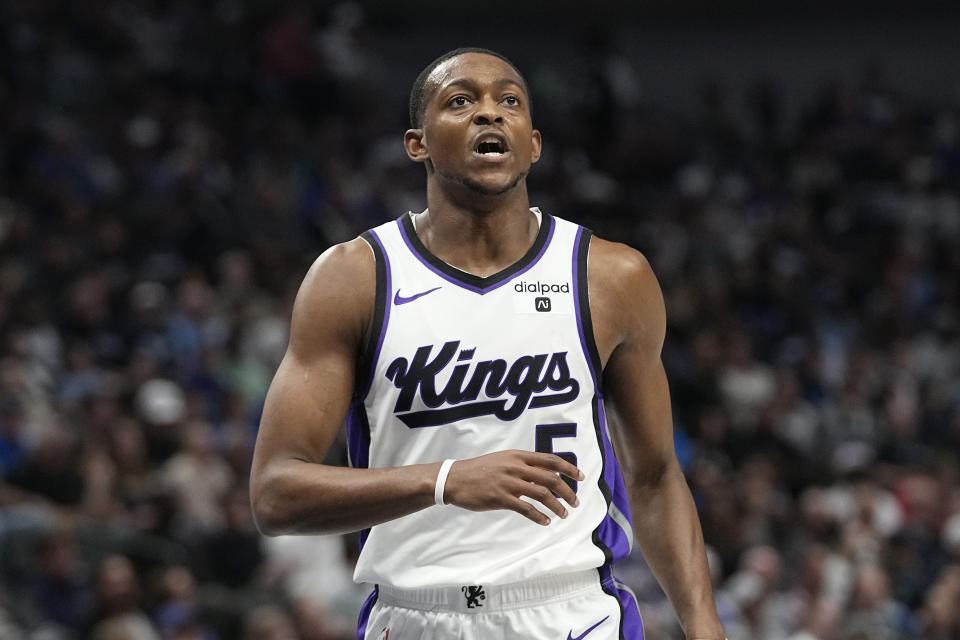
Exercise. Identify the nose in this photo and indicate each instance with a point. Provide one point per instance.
(488, 111)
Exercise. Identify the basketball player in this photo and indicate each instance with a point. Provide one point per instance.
(480, 351)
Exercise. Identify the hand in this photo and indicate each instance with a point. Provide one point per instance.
(497, 480)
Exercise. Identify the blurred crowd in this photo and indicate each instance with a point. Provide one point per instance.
(168, 171)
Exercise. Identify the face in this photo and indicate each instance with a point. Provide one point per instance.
(477, 133)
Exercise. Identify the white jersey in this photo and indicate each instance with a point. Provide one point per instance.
(457, 366)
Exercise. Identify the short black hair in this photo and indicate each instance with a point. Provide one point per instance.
(418, 92)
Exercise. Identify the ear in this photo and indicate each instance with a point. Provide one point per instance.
(414, 146)
(536, 147)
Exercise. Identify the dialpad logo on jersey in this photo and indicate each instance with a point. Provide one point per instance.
(541, 380)
(542, 287)
(473, 594)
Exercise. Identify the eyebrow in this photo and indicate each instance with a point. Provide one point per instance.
(470, 83)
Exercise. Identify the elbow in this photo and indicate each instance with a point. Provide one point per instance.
(267, 505)
(264, 514)
(280, 505)
(653, 476)
(266, 518)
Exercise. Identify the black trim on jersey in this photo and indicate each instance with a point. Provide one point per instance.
(583, 250)
(468, 279)
(364, 374)
(601, 482)
(362, 448)
(365, 364)
(362, 537)
(586, 324)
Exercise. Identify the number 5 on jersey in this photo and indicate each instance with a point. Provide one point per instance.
(546, 433)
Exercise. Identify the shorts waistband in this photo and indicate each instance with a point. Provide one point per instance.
(478, 598)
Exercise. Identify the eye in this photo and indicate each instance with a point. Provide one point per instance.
(458, 101)
(512, 101)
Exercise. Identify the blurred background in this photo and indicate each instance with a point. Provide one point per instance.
(169, 170)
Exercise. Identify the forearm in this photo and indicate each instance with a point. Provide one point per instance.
(297, 497)
(668, 531)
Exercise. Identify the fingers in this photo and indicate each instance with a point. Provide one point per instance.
(529, 511)
(546, 466)
(554, 463)
(545, 497)
(514, 480)
(553, 486)
(543, 484)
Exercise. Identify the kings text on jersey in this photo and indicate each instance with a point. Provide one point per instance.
(530, 381)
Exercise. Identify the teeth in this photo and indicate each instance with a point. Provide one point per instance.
(489, 148)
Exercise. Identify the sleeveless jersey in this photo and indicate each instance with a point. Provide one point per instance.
(457, 366)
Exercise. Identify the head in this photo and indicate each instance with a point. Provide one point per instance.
(471, 123)
(117, 584)
(419, 93)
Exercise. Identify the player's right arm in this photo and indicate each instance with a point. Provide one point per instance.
(292, 491)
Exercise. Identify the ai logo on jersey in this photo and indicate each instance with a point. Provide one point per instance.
(541, 380)
(542, 304)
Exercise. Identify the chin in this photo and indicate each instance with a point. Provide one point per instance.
(489, 188)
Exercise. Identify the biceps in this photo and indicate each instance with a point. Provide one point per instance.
(305, 406)
(639, 399)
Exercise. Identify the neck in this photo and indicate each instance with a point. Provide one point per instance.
(480, 235)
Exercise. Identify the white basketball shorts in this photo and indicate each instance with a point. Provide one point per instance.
(587, 605)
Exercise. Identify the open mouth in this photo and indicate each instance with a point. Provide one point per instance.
(491, 147)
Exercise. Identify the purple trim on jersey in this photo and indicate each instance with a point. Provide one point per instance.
(545, 219)
(362, 539)
(358, 435)
(358, 444)
(617, 539)
(608, 532)
(631, 624)
(358, 424)
(388, 289)
(365, 613)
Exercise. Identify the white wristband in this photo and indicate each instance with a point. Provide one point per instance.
(442, 480)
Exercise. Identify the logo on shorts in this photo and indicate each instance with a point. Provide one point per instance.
(584, 634)
(473, 595)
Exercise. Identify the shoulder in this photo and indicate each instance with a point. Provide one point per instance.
(342, 260)
(625, 296)
(337, 294)
(620, 271)
(343, 271)
(617, 263)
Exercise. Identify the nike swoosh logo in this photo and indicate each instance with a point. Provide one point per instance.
(399, 299)
(584, 634)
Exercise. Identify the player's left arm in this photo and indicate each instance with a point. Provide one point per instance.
(629, 322)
